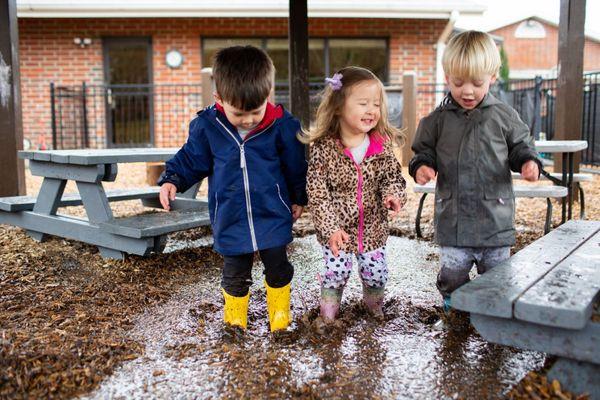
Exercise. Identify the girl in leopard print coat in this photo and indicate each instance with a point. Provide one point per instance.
(353, 179)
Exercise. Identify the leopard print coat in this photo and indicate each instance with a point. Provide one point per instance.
(349, 196)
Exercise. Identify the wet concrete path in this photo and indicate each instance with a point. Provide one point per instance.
(189, 354)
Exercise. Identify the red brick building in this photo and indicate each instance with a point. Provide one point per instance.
(111, 46)
(531, 45)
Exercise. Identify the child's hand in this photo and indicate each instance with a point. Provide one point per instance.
(167, 192)
(424, 174)
(296, 211)
(338, 241)
(393, 203)
(530, 171)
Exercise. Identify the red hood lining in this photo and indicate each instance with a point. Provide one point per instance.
(272, 113)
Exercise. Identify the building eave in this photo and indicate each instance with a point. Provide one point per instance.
(435, 9)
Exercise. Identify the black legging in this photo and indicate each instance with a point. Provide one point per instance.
(237, 270)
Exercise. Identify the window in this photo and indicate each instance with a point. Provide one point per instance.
(325, 55)
(367, 53)
(530, 29)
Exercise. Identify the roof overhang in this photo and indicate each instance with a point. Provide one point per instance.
(420, 9)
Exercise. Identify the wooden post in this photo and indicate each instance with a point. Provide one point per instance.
(298, 61)
(12, 170)
(569, 99)
(409, 113)
(207, 87)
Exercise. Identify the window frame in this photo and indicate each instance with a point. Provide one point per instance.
(326, 39)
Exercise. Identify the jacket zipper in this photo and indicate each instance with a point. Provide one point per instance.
(216, 207)
(361, 211)
(359, 202)
(281, 198)
(246, 178)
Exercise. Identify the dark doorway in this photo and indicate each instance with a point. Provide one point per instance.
(128, 97)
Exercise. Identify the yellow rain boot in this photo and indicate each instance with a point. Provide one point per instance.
(278, 305)
(235, 312)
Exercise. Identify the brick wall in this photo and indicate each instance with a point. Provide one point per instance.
(48, 54)
(542, 53)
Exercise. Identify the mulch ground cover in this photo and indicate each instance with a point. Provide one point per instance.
(65, 312)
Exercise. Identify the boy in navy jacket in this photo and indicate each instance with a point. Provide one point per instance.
(256, 171)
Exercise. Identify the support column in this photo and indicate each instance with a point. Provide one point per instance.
(409, 114)
(298, 61)
(12, 170)
(569, 99)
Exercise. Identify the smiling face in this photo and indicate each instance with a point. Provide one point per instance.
(361, 111)
(469, 92)
(242, 119)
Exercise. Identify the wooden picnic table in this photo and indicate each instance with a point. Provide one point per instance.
(114, 237)
(567, 148)
(543, 298)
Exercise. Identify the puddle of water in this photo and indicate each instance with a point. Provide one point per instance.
(189, 354)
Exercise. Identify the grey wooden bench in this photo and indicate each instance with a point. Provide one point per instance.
(547, 192)
(141, 235)
(543, 299)
(26, 203)
(577, 178)
(567, 148)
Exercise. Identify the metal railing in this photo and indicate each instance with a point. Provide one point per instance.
(100, 116)
(535, 101)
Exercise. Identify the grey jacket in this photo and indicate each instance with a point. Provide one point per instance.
(473, 153)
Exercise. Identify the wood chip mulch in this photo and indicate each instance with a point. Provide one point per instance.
(535, 386)
(65, 312)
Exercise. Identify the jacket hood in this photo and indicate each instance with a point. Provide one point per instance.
(272, 113)
(450, 104)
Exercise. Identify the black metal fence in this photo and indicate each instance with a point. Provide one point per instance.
(535, 101)
(99, 116)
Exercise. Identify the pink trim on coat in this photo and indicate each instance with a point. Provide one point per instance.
(376, 142)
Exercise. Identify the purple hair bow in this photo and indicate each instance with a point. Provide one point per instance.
(335, 81)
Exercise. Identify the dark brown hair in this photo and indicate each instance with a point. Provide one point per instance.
(243, 76)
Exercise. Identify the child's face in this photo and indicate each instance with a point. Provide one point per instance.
(361, 111)
(469, 92)
(242, 119)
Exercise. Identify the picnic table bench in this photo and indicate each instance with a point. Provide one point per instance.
(576, 178)
(547, 192)
(543, 298)
(567, 148)
(563, 191)
(139, 234)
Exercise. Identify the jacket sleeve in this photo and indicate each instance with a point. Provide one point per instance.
(192, 163)
(392, 181)
(521, 145)
(424, 146)
(320, 204)
(293, 163)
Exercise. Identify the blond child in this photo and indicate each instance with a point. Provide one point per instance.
(470, 144)
(353, 179)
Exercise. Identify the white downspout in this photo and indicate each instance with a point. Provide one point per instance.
(440, 79)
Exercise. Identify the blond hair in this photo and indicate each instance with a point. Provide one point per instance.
(332, 102)
(471, 54)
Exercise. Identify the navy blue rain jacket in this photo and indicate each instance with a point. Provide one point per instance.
(251, 183)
